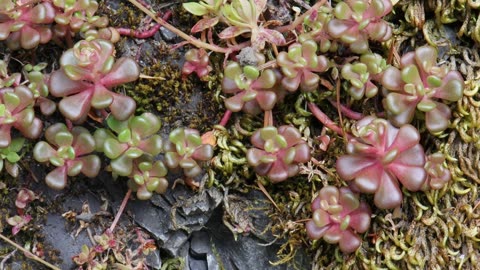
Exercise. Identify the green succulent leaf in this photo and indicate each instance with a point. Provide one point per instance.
(195, 8)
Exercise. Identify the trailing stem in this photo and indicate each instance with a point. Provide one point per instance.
(120, 210)
(326, 121)
(194, 41)
(28, 253)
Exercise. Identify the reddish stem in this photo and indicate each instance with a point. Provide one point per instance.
(120, 210)
(323, 118)
(347, 111)
(268, 119)
(225, 118)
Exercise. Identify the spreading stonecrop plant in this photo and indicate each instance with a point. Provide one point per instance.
(242, 16)
(382, 155)
(438, 175)
(88, 72)
(148, 177)
(357, 21)
(379, 157)
(196, 61)
(419, 84)
(38, 84)
(26, 24)
(9, 156)
(299, 65)
(77, 16)
(338, 217)
(314, 27)
(362, 75)
(130, 140)
(277, 153)
(16, 111)
(252, 88)
(69, 151)
(185, 149)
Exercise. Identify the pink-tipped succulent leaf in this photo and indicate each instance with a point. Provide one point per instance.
(252, 89)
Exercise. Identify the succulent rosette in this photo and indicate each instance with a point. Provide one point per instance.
(252, 89)
(357, 21)
(88, 72)
(277, 152)
(24, 24)
(130, 140)
(419, 84)
(438, 175)
(185, 150)
(69, 151)
(16, 110)
(299, 65)
(379, 157)
(148, 177)
(196, 60)
(9, 156)
(338, 217)
(315, 29)
(362, 75)
(77, 16)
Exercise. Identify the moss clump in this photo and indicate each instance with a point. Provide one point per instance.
(177, 101)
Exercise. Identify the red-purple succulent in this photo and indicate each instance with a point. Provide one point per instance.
(277, 152)
(361, 75)
(88, 72)
(357, 21)
(419, 84)
(148, 177)
(26, 24)
(381, 155)
(196, 60)
(438, 175)
(338, 216)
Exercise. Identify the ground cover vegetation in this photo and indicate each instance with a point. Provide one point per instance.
(357, 119)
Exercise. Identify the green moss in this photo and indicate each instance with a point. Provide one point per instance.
(176, 100)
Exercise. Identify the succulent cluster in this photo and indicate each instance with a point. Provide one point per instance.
(379, 157)
(338, 216)
(88, 73)
(382, 155)
(26, 24)
(419, 84)
(185, 149)
(70, 151)
(362, 74)
(357, 21)
(130, 140)
(277, 152)
(251, 88)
